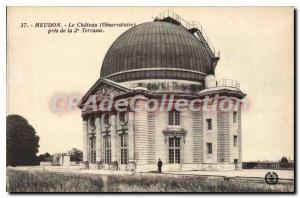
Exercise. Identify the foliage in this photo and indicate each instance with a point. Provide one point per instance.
(44, 157)
(284, 160)
(21, 141)
(76, 155)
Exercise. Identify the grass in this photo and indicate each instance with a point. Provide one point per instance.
(42, 181)
(181, 184)
(45, 181)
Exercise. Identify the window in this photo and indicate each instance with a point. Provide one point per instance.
(124, 148)
(209, 148)
(208, 124)
(107, 149)
(174, 150)
(234, 117)
(234, 140)
(92, 141)
(174, 117)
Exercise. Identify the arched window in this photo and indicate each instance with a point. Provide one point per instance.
(174, 118)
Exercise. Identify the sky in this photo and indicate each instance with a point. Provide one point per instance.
(256, 48)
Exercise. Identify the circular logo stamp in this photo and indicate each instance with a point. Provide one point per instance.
(271, 178)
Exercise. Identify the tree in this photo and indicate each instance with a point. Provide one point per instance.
(284, 160)
(75, 154)
(22, 143)
(44, 157)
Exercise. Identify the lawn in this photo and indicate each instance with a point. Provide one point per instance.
(46, 181)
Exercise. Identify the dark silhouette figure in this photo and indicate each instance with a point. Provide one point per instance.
(117, 164)
(159, 164)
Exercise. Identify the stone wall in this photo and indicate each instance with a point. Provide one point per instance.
(148, 143)
(141, 134)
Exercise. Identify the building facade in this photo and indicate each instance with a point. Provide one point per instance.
(130, 115)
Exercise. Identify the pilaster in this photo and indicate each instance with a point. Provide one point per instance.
(85, 144)
(130, 137)
(98, 141)
(113, 138)
(140, 133)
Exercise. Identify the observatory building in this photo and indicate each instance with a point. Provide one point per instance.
(162, 63)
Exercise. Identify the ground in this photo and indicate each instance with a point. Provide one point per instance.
(187, 181)
(257, 173)
(253, 173)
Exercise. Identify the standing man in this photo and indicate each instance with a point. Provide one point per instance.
(159, 164)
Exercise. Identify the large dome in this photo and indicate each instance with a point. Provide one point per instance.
(157, 50)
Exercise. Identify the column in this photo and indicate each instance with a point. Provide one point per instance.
(223, 136)
(197, 126)
(140, 133)
(85, 144)
(240, 159)
(131, 143)
(113, 138)
(130, 137)
(98, 141)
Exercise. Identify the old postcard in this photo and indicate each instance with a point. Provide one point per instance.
(150, 99)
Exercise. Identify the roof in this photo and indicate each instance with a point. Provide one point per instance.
(98, 84)
(157, 50)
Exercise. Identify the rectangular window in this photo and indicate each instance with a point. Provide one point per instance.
(107, 149)
(93, 157)
(208, 124)
(171, 156)
(234, 117)
(235, 140)
(177, 142)
(171, 142)
(174, 118)
(177, 156)
(174, 150)
(124, 148)
(92, 141)
(209, 148)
